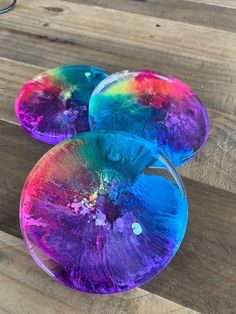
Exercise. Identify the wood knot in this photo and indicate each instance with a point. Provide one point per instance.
(54, 9)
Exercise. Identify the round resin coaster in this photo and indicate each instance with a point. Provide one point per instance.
(160, 109)
(103, 212)
(54, 105)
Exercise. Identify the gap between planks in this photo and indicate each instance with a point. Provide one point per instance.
(231, 4)
(75, 19)
(192, 12)
(203, 57)
(209, 244)
(25, 287)
(215, 84)
(213, 165)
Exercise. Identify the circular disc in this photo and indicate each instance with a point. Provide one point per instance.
(54, 105)
(161, 109)
(101, 218)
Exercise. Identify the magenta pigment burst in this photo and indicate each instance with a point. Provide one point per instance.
(103, 212)
(54, 105)
(159, 108)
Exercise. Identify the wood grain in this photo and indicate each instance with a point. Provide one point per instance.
(203, 274)
(193, 40)
(35, 292)
(214, 165)
(14, 167)
(74, 20)
(181, 49)
(192, 12)
(219, 3)
(214, 83)
(12, 77)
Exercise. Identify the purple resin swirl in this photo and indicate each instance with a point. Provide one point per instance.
(159, 108)
(103, 212)
(54, 105)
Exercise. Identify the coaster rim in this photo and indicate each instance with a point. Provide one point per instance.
(127, 74)
(168, 165)
(69, 67)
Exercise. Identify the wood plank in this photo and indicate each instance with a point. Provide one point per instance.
(14, 167)
(220, 3)
(215, 162)
(202, 275)
(205, 13)
(205, 58)
(214, 83)
(26, 287)
(12, 77)
(204, 270)
(68, 21)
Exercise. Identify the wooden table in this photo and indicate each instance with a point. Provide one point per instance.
(193, 40)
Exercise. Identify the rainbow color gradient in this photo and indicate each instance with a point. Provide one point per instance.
(159, 108)
(54, 105)
(101, 218)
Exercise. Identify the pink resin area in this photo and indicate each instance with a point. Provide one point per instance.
(103, 212)
(159, 108)
(54, 105)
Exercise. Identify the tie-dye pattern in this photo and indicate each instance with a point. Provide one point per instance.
(54, 105)
(103, 212)
(160, 109)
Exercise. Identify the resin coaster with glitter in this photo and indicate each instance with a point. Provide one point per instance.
(103, 212)
(54, 105)
(161, 109)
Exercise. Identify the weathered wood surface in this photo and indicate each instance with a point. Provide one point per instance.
(193, 40)
(214, 165)
(34, 292)
(219, 3)
(207, 252)
(194, 12)
(204, 57)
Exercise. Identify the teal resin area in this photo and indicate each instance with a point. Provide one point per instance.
(103, 212)
(53, 106)
(159, 108)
